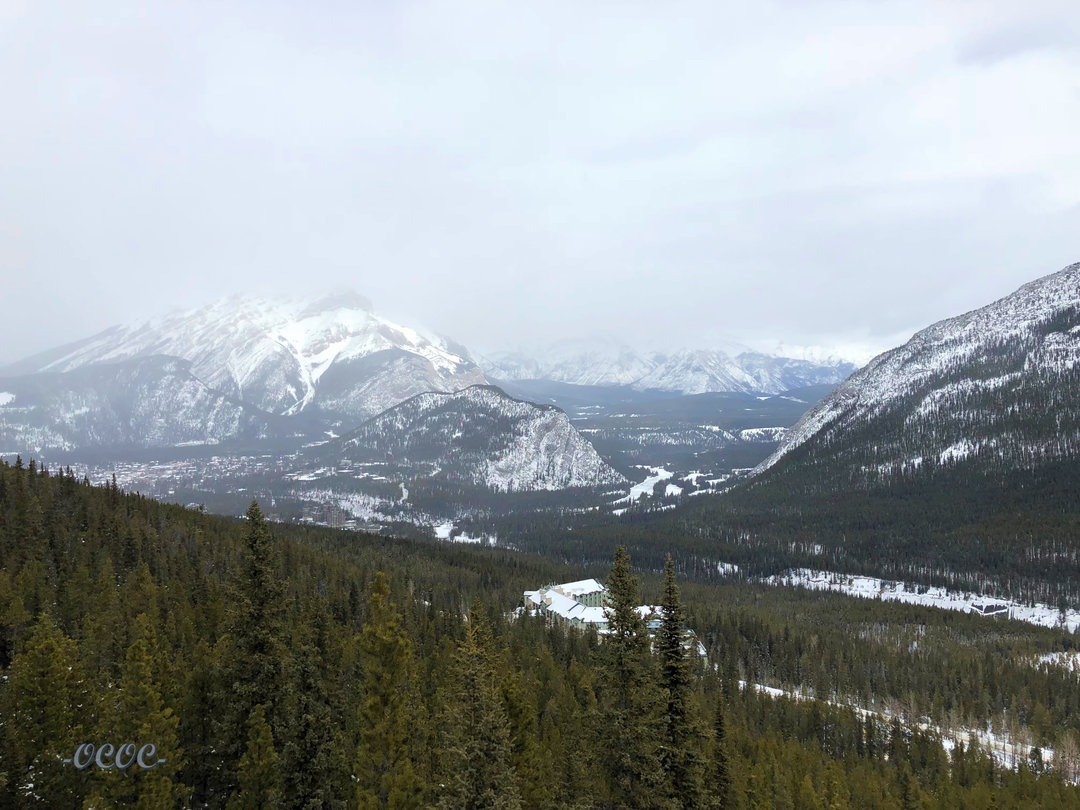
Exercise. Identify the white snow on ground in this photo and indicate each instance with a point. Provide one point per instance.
(1069, 661)
(322, 472)
(1003, 750)
(6, 398)
(893, 591)
(464, 538)
(673, 491)
(726, 569)
(404, 493)
(956, 452)
(764, 434)
(444, 530)
(717, 429)
(693, 477)
(657, 474)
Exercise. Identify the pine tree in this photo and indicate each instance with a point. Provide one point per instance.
(630, 727)
(45, 709)
(385, 772)
(255, 676)
(311, 766)
(142, 717)
(682, 758)
(259, 776)
(720, 765)
(529, 760)
(199, 727)
(477, 771)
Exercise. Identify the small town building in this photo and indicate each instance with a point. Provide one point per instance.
(585, 604)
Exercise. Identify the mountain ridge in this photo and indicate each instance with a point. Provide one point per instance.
(951, 376)
(734, 369)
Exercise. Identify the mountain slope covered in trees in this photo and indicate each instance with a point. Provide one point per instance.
(275, 666)
(995, 388)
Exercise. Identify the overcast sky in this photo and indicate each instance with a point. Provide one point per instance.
(816, 173)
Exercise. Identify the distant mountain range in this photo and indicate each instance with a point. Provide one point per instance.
(249, 369)
(732, 369)
(152, 401)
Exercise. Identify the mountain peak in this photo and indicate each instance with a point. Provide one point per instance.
(344, 299)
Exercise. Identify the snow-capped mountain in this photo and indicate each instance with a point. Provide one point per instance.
(599, 361)
(709, 371)
(334, 355)
(1000, 384)
(484, 437)
(144, 402)
(732, 368)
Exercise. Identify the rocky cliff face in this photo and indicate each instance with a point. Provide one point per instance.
(482, 436)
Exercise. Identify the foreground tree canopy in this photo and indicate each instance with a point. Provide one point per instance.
(279, 666)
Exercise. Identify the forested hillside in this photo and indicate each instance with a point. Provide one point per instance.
(278, 666)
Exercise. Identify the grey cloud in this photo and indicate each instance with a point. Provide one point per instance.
(813, 173)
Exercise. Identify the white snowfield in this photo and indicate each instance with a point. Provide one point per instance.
(948, 345)
(894, 591)
(444, 530)
(6, 398)
(655, 476)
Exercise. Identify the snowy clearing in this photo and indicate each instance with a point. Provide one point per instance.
(893, 591)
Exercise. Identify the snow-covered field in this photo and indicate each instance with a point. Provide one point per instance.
(1070, 661)
(1003, 750)
(656, 475)
(443, 532)
(893, 591)
(6, 398)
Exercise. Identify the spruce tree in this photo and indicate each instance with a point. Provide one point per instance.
(45, 710)
(142, 717)
(630, 728)
(259, 775)
(721, 764)
(477, 773)
(255, 675)
(682, 757)
(311, 765)
(385, 772)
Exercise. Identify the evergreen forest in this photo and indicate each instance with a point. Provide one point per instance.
(283, 666)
